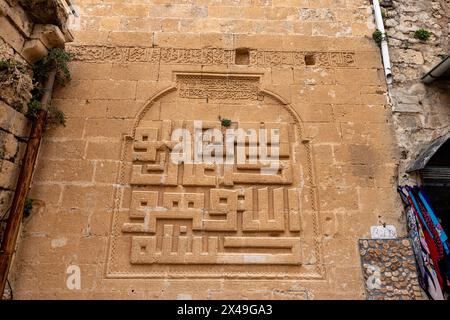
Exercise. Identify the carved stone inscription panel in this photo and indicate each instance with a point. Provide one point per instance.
(198, 219)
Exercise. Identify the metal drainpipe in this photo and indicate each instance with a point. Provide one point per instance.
(8, 244)
(437, 71)
(384, 45)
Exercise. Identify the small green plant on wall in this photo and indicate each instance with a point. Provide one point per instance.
(28, 207)
(422, 34)
(56, 59)
(225, 122)
(377, 36)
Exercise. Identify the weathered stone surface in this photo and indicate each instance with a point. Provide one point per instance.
(34, 50)
(385, 280)
(141, 69)
(8, 175)
(421, 112)
(45, 11)
(19, 47)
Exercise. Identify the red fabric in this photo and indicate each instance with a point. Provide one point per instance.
(434, 253)
(432, 228)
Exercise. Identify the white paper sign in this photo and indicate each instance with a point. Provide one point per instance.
(383, 232)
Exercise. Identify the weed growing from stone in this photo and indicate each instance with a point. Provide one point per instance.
(56, 116)
(28, 207)
(15, 83)
(56, 59)
(33, 108)
(422, 34)
(225, 122)
(377, 36)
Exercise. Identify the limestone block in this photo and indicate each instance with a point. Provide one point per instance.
(90, 71)
(106, 171)
(65, 170)
(93, 198)
(338, 198)
(360, 113)
(103, 149)
(360, 76)
(19, 17)
(4, 9)
(48, 194)
(15, 87)
(315, 112)
(10, 34)
(96, 128)
(312, 76)
(9, 145)
(69, 149)
(369, 199)
(20, 126)
(337, 94)
(98, 89)
(131, 38)
(5, 200)
(34, 50)
(137, 71)
(7, 115)
(73, 130)
(9, 172)
(50, 35)
(408, 56)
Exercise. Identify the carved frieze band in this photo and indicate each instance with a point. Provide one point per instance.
(235, 88)
(211, 56)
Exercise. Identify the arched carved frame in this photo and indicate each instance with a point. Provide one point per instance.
(319, 270)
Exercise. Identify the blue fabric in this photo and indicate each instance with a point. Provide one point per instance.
(420, 212)
(436, 222)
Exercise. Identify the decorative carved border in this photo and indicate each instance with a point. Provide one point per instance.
(211, 56)
(319, 269)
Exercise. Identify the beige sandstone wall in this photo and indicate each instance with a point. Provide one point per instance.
(23, 41)
(25, 37)
(14, 126)
(144, 68)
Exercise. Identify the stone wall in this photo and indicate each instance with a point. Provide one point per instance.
(421, 112)
(23, 41)
(144, 68)
(15, 91)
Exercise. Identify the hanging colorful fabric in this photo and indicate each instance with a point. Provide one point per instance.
(442, 235)
(427, 267)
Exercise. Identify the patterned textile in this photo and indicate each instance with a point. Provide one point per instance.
(426, 219)
(420, 226)
(415, 241)
(440, 231)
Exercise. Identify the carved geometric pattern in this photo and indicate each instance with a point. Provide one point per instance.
(184, 218)
(152, 164)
